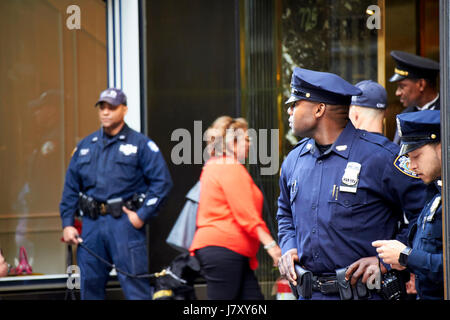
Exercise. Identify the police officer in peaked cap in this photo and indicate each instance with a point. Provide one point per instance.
(340, 189)
(368, 109)
(422, 253)
(416, 79)
(118, 179)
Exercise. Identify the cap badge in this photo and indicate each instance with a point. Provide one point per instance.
(109, 93)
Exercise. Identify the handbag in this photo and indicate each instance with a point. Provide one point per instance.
(182, 233)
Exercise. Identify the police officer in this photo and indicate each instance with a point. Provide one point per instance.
(367, 110)
(119, 179)
(420, 139)
(340, 189)
(416, 83)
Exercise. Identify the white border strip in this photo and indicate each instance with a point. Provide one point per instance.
(130, 61)
(123, 55)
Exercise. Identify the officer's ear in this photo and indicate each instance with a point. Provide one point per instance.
(125, 109)
(320, 109)
(422, 83)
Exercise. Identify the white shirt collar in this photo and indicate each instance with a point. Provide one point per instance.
(427, 105)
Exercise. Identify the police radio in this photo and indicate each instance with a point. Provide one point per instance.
(393, 286)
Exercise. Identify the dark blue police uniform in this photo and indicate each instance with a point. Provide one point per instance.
(425, 259)
(333, 205)
(106, 168)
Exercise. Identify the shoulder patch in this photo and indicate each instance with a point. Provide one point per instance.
(402, 164)
(153, 146)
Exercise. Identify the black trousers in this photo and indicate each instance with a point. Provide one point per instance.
(228, 275)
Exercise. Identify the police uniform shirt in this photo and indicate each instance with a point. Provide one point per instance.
(426, 258)
(120, 166)
(331, 227)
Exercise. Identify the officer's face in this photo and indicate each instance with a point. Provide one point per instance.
(408, 91)
(426, 162)
(111, 117)
(301, 118)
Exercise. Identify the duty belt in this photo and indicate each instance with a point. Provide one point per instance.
(336, 284)
(93, 208)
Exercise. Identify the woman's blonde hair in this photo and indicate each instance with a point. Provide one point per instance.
(221, 131)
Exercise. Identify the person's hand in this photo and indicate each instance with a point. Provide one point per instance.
(3, 266)
(364, 267)
(71, 236)
(286, 265)
(389, 250)
(134, 218)
(397, 266)
(275, 253)
(411, 285)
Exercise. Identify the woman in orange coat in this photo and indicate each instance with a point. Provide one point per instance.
(230, 227)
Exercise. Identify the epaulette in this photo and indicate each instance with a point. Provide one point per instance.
(380, 140)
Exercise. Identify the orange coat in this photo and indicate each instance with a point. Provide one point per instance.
(230, 209)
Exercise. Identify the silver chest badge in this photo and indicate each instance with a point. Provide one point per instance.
(351, 177)
(127, 149)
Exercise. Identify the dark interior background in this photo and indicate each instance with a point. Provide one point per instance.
(192, 75)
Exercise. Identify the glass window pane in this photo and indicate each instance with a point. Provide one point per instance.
(52, 77)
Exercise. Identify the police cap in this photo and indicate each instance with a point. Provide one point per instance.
(321, 87)
(112, 96)
(417, 129)
(412, 66)
(373, 95)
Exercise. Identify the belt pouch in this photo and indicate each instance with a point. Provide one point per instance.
(115, 207)
(294, 290)
(345, 289)
(88, 206)
(304, 282)
(361, 290)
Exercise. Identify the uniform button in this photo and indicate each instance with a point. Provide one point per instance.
(313, 230)
(316, 255)
(319, 162)
(313, 207)
(346, 202)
